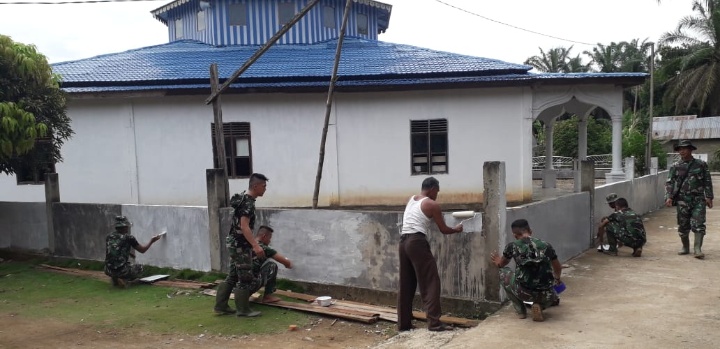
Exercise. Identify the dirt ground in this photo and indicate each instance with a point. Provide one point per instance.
(18, 332)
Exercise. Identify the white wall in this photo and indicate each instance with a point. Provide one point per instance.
(11, 191)
(483, 125)
(155, 150)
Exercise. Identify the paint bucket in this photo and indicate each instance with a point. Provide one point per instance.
(559, 288)
(324, 301)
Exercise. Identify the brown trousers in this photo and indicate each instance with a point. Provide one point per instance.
(417, 267)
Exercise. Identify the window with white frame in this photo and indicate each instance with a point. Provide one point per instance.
(201, 23)
(238, 151)
(178, 28)
(237, 14)
(429, 146)
(329, 17)
(362, 24)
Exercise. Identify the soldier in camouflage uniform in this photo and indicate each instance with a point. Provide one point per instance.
(266, 269)
(119, 255)
(537, 270)
(689, 186)
(242, 246)
(624, 227)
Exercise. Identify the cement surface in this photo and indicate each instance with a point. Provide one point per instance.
(661, 300)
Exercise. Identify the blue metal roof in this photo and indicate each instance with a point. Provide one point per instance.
(185, 65)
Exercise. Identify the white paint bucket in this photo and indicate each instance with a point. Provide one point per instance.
(324, 301)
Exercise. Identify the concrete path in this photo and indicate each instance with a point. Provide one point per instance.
(661, 300)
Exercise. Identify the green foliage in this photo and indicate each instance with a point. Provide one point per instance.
(634, 143)
(557, 60)
(33, 293)
(31, 106)
(692, 68)
(565, 137)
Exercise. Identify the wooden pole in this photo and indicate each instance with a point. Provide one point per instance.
(648, 150)
(328, 103)
(262, 50)
(219, 135)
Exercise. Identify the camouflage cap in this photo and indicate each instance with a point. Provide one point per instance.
(684, 143)
(122, 221)
(612, 197)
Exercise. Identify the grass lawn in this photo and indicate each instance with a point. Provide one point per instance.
(34, 293)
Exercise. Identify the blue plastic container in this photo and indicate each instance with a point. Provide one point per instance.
(559, 288)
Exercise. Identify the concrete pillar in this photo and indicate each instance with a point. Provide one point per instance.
(653, 165)
(216, 200)
(52, 195)
(670, 161)
(494, 222)
(549, 174)
(630, 168)
(582, 138)
(587, 184)
(616, 174)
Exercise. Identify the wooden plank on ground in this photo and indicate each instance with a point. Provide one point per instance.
(348, 314)
(101, 276)
(385, 313)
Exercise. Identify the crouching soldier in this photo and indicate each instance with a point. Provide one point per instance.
(537, 270)
(265, 269)
(119, 254)
(624, 227)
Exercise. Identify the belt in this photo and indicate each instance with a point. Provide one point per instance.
(405, 236)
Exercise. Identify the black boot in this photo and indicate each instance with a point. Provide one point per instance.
(685, 244)
(242, 303)
(221, 299)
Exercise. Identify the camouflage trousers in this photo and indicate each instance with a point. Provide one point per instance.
(267, 276)
(241, 275)
(616, 233)
(127, 272)
(691, 214)
(518, 294)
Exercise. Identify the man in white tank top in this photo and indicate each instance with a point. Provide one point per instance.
(417, 264)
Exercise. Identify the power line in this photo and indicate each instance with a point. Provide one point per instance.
(512, 26)
(69, 2)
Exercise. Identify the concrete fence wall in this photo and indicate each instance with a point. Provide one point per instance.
(23, 225)
(360, 249)
(80, 231)
(563, 222)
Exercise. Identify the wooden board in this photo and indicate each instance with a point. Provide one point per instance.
(348, 314)
(101, 276)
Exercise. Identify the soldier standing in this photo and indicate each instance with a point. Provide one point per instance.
(689, 187)
(242, 246)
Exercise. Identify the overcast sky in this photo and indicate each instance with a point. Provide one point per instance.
(76, 31)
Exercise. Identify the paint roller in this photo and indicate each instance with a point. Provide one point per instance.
(164, 231)
(465, 216)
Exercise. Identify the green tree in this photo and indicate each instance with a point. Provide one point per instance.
(32, 108)
(697, 82)
(557, 60)
(565, 137)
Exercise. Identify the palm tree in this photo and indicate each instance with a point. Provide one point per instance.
(557, 60)
(697, 81)
(606, 59)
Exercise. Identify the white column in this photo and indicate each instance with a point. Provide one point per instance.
(616, 174)
(582, 139)
(549, 145)
(549, 174)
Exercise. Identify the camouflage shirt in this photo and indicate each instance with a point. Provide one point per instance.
(630, 223)
(244, 205)
(118, 248)
(258, 262)
(689, 178)
(532, 260)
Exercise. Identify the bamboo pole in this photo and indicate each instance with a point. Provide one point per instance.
(262, 50)
(328, 103)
